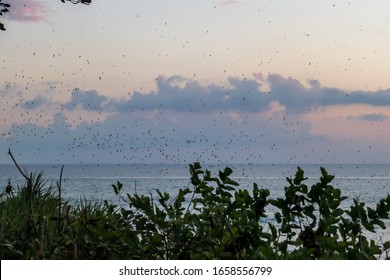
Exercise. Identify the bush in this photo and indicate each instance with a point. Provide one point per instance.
(212, 218)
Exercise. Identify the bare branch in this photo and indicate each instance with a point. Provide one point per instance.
(17, 165)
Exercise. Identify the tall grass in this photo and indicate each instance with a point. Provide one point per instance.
(26, 218)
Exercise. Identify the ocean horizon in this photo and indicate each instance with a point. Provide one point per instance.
(368, 182)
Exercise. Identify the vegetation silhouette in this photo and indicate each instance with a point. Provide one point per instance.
(211, 218)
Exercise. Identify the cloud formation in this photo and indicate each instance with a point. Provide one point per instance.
(297, 98)
(35, 103)
(179, 94)
(184, 120)
(373, 117)
(225, 3)
(88, 100)
(28, 10)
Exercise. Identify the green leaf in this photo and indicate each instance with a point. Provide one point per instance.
(380, 223)
(334, 204)
(273, 230)
(279, 203)
(336, 193)
(228, 171)
(299, 176)
(304, 189)
(278, 217)
(326, 178)
(115, 189)
(338, 212)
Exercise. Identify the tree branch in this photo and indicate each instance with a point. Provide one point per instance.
(17, 165)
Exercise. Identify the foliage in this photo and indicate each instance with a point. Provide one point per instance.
(212, 218)
(314, 226)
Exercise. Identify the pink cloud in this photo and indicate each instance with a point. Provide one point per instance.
(28, 10)
(224, 3)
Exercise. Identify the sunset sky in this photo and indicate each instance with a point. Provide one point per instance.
(183, 81)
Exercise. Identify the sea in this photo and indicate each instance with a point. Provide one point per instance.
(366, 182)
(93, 182)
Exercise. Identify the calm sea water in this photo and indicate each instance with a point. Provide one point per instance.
(367, 182)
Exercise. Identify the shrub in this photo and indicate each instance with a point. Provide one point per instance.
(212, 218)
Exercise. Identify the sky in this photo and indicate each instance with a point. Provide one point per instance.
(180, 81)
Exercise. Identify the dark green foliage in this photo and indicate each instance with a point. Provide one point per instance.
(313, 225)
(212, 218)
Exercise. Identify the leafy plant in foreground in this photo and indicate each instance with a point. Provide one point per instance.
(207, 222)
(312, 225)
(212, 218)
